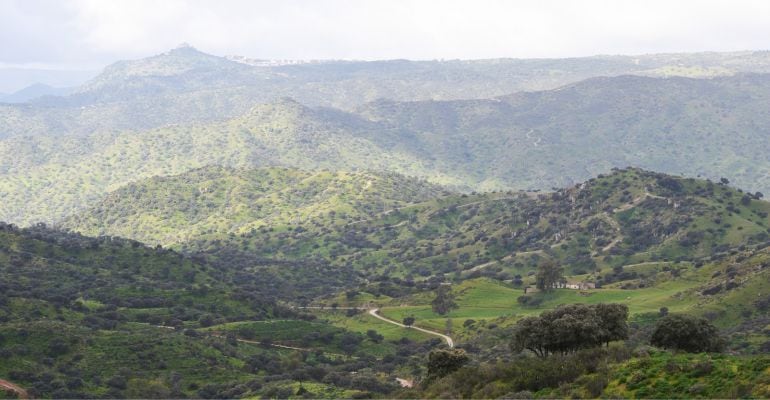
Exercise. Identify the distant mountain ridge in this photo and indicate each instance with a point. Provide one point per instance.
(711, 128)
(185, 85)
(32, 92)
(185, 109)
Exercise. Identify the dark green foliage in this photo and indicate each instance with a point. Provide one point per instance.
(608, 373)
(443, 362)
(340, 231)
(612, 321)
(522, 376)
(444, 301)
(570, 328)
(69, 300)
(549, 275)
(687, 333)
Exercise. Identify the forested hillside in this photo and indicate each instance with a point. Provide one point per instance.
(83, 317)
(710, 128)
(178, 209)
(627, 217)
(647, 240)
(195, 226)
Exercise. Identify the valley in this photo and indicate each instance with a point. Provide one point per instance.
(194, 226)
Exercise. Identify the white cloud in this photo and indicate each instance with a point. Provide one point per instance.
(416, 29)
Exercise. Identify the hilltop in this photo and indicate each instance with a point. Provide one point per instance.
(185, 85)
(711, 128)
(173, 210)
(399, 231)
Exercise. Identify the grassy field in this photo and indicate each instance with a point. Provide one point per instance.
(485, 299)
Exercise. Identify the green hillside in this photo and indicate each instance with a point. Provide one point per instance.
(195, 226)
(630, 217)
(696, 127)
(629, 230)
(711, 128)
(729, 290)
(83, 317)
(178, 209)
(256, 244)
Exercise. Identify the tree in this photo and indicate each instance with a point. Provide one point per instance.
(444, 301)
(569, 328)
(572, 327)
(530, 334)
(349, 342)
(409, 321)
(612, 322)
(688, 333)
(443, 362)
(374, 336)
(549, 274)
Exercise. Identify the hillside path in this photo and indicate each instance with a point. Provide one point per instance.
(374, 313)
(280, 346)
(221, 336)
(8, 386)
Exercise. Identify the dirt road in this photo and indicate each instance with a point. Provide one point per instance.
(374, 313)
(13, 388)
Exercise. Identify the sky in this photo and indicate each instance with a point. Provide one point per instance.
(88, 34)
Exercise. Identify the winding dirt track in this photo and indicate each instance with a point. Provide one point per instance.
(374, 313)
(280, 346)
(10, 387)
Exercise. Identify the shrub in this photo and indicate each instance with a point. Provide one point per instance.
(687, 333)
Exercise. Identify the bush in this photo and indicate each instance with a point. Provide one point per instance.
(444, 362)
(687, 333)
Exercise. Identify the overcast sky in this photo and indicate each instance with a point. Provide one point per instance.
(91, 33)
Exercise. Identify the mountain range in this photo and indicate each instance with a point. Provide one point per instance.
(195, 226)
(713, 128)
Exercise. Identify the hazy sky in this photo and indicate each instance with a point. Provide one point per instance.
(91, 33)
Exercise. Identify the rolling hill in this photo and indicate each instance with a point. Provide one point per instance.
(649, 240)
(398, 229)
(711, 128)
(259, 230)
(88, 317)
(177, 209)
(184, 85)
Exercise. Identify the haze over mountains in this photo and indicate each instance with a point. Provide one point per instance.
(464, 124)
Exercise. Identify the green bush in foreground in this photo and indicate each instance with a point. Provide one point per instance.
(687, 333)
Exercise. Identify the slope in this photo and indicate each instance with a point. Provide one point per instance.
(712, 128)
(177, 209)
(108, 317)
(184, 85)
(630, 217)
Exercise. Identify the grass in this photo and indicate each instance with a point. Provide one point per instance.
(666, 375)
(363, 322)
(486, 299)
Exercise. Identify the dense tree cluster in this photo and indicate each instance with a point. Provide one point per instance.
(570, 328)
(687, 333)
